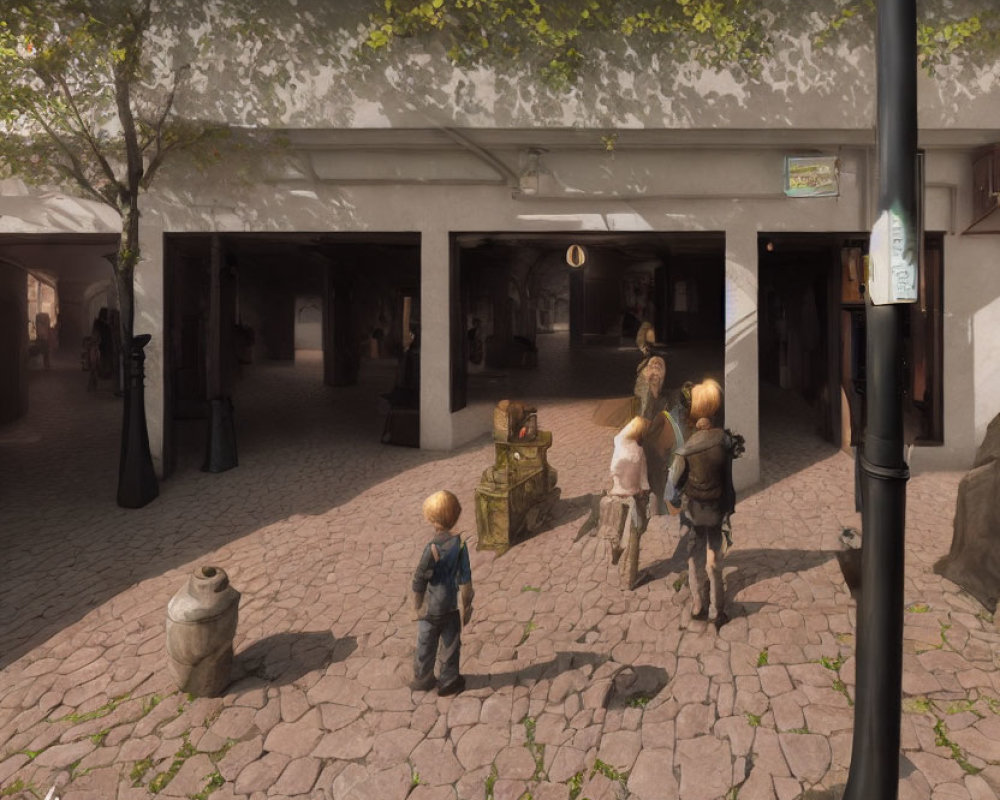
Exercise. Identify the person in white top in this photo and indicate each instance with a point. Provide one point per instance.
(628, 462)
(625, 506)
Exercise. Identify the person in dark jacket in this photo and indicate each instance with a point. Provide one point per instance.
(441, 576)
(701, 477)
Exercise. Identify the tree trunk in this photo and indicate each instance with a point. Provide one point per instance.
(137, 485)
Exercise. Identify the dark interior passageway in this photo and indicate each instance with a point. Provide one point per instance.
(548, 316)
(328, 314)
(799, 304)
(51, 289)
(812, 343)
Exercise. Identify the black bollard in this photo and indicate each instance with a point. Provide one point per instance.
(137, 485)
(220, 453)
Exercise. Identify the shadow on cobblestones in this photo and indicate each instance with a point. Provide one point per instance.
(635, 686)
(69, 548)
(528, 676)
(760, 564)
(285, 657)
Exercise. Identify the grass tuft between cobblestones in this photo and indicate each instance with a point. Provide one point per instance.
(537, 750)
(941, 739)
(162, 779)
(215, 781)
(491, 780)
(97, 713)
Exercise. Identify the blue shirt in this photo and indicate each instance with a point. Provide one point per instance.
(440, 579)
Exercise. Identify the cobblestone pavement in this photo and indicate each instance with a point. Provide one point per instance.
(576, 687)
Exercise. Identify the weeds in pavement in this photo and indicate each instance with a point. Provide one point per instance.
(537, 750)
(609, 772)
(215, 781)
(941, 739)
(491, 780)
(97, 713)
(139, 770)
(163, 778)
(529, 626)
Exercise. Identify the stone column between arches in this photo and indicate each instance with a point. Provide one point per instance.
(741, 359)
(435, 341)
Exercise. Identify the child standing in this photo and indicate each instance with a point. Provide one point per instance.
(442, 574)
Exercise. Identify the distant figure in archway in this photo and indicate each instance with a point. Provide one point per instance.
(99, 349)
(43, 335)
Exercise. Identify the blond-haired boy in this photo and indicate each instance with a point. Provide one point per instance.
(442, 574)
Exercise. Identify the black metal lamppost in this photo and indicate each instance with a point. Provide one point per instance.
(892, 280)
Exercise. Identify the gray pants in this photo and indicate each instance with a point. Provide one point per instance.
(448, 630)
(705, 552)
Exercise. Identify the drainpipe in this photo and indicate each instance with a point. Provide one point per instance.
(892, 280)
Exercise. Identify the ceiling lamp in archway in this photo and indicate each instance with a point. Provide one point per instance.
(576, 256)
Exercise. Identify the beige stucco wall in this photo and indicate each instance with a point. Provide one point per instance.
(729, 190)
(636, 86)
(673, 204)
(732, 190)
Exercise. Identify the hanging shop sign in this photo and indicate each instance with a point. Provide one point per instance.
(812, 176)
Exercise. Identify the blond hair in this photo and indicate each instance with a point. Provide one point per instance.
(442, 509)
(636, 428)
(706, 399)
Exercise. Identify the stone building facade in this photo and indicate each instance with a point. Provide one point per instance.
(423, 157)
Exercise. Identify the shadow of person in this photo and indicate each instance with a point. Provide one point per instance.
(563, 662)
(744, 567)
(758, 564)
(285, 657)
(677, 562)
(625, 686)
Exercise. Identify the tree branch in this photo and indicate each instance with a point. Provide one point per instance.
(167, 106)
(75, 169)
(157, 136)
(159, 156)
(94, 146)
(124, 73)
(82, 181)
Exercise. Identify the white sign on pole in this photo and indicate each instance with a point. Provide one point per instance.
(892, 267)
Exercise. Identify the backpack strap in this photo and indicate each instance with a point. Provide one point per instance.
(435, 552)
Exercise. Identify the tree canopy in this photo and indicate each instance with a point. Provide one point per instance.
(556, 36)
(94, 91)
(89, 92)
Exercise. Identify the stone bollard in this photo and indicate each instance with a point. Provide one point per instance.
(201, 623)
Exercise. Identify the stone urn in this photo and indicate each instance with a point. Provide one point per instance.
(201, 623)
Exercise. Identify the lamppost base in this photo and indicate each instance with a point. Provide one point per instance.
(137, 484)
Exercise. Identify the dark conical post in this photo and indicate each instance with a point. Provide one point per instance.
(892, 280)
(137, 483)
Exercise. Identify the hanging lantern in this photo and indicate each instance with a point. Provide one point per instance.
(576, 255)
